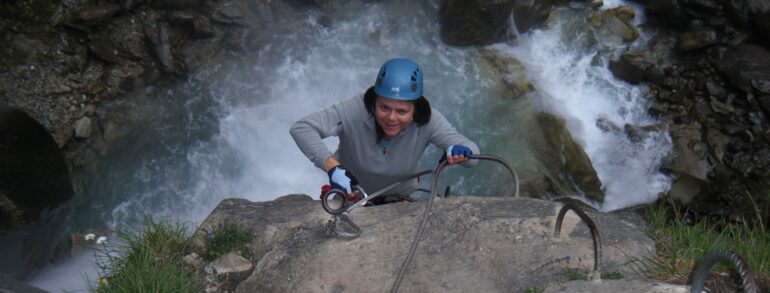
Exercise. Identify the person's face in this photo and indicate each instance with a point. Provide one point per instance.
(393, 115)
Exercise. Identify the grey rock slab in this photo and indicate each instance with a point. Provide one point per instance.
(231, 263)
(622, 285)
(471, 244)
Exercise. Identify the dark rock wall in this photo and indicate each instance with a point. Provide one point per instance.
(708, 74)
(35, 190)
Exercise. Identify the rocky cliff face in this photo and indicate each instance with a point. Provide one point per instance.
(471, 244)
(708, 75)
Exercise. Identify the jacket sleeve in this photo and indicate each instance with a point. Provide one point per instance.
(444, 135)
(309, 131)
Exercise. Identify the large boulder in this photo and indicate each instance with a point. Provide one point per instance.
(514, 81)
(35, 191)
(474, 22)
(470, 244)
(747, 67)
(567, 169)
(615, 22)
(530, 13)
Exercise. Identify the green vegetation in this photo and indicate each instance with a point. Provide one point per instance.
(225, 239)
(577, 275)
(534, 290)
(150, 260)
(573, 274)
(612, 276)
(681, 245)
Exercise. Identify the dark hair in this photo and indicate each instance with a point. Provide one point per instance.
(421, 110)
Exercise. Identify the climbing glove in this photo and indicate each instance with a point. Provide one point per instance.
(341, 179)
(458, 150)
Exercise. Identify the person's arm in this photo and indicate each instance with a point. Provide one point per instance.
(330, 163)
(445, 135)
(309, 131)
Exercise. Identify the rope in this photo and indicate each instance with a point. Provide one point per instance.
(594, 232)
(701, 273)
(424, 221)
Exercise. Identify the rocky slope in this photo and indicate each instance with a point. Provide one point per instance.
(471, 244)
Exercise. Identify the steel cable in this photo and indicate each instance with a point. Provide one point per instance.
(424, 221)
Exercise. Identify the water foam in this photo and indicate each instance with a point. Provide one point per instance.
(568, 64)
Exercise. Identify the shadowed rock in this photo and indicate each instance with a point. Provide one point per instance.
(474, 22)
(35, 190)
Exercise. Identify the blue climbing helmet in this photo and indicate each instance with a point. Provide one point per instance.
(399, 79)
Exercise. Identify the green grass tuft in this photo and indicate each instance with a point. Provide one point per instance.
(534, 290)
(225, 239)
(149, 260)
(573, 274)
(681, 245)
(612, 276)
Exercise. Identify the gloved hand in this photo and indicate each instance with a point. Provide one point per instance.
(456, 154)
(341, 179)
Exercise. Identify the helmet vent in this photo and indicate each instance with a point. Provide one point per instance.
(414, 87)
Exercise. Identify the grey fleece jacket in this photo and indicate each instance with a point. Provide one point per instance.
(372, 164)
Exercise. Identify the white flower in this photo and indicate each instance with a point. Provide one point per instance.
(101, 240)
(89, 237)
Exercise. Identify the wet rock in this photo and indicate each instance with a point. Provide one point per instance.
(470, 244)
(722, 108)
(234, 12)
(631, 67)
(616, 22)
(670, 11)
(607, 126)
(734, 129)
(96, 15)
(157, 35)
(690, 153)
(530, 13)
(761, 85)
(685, 188)
(513, 74)
(570, 167)
(474, 22)
(101, 46)
(746, 66)
(697, 39)
(35, 190)
(83, 127)
(718, 143)
(201, 26)
(638, 134)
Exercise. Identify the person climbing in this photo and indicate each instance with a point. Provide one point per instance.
(382, 134)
